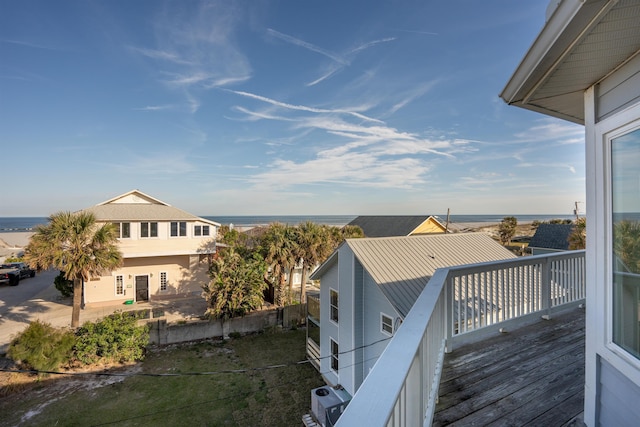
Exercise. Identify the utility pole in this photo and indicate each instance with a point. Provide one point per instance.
(575, 211)
(446, 227)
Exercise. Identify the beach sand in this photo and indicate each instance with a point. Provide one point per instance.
(12, 244)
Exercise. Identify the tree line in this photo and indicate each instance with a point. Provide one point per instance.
(258, 265)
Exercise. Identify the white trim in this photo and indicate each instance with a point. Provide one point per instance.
(605, 131)
(178, 228)
(166, 278)
(331, 307)
(115, 285)
(331, 358)
(382, 316)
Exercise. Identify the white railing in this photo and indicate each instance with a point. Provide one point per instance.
(459, 304)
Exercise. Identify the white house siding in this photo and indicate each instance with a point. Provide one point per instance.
(619, 90)
(328, 329)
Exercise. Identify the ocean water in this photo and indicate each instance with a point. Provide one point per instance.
(17, 224)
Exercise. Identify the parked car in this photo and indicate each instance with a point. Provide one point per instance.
(25, 270)
(9, 275)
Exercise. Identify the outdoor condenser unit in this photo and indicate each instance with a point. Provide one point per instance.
(328, 403)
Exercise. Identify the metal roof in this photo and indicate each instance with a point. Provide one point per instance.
(580, 44)
(390, 225)
(402, 266)
(552, 236)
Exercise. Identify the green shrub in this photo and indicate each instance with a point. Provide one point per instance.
(116, 338)
(42, 347)
(63, 285)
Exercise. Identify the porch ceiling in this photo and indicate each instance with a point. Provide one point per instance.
(581, 43)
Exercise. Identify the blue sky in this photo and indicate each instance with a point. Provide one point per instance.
(278, 107)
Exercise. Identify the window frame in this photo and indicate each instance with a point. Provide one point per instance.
(198, 230)
(382, 324)
(601, 212)
(163, 279)
(121, 284)
(334, 309)
(180, 229)
(335, 355)
(150, 228)
(120, 227)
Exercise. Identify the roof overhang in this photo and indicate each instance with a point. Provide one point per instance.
(582, 42)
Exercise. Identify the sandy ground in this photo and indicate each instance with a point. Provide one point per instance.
(12, 244)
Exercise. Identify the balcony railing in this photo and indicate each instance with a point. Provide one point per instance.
(459, 304)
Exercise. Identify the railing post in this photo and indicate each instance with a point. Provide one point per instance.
(545, 291)
(448, 314)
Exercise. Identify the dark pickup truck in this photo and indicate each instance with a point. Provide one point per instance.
(25, 270)
(9, 275)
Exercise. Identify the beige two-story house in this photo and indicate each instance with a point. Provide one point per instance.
(166, 251)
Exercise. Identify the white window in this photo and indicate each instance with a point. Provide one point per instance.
(148, 229)
(386, 324)
(178, 229)
(119, 285)
(201, 230)
(334, 355)
(333, 296)
(124, 229)
(625, 224)
(163, 280)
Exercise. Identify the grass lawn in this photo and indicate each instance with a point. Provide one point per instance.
(276, 396)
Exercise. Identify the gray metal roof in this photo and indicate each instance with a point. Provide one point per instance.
(402, 266)
(580, 44)
(552, 236)
(389, 225)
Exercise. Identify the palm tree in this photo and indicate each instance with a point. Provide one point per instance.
(278, 251)
(77, 246)
(310, 239)
(578, 237)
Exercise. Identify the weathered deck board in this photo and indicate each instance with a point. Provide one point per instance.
(531, 376)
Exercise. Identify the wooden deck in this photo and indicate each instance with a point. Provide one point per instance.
(532, 376)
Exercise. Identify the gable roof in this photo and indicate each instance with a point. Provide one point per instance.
(581, 43)
(135, 205)
(552, 236)
(391, 225)
(402, 266)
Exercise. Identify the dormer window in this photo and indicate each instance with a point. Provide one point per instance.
(178, 229)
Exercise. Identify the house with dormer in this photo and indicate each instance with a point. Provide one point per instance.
(166, 251)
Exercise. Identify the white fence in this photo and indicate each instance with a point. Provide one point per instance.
(459, 304)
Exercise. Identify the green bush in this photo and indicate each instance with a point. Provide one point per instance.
(63, 285)
(42, 347)
(116, 338)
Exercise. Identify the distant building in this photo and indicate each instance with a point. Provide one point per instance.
(550, 238)
(398, 225)
(165, 251)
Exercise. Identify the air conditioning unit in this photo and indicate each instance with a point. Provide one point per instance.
(328, 403)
